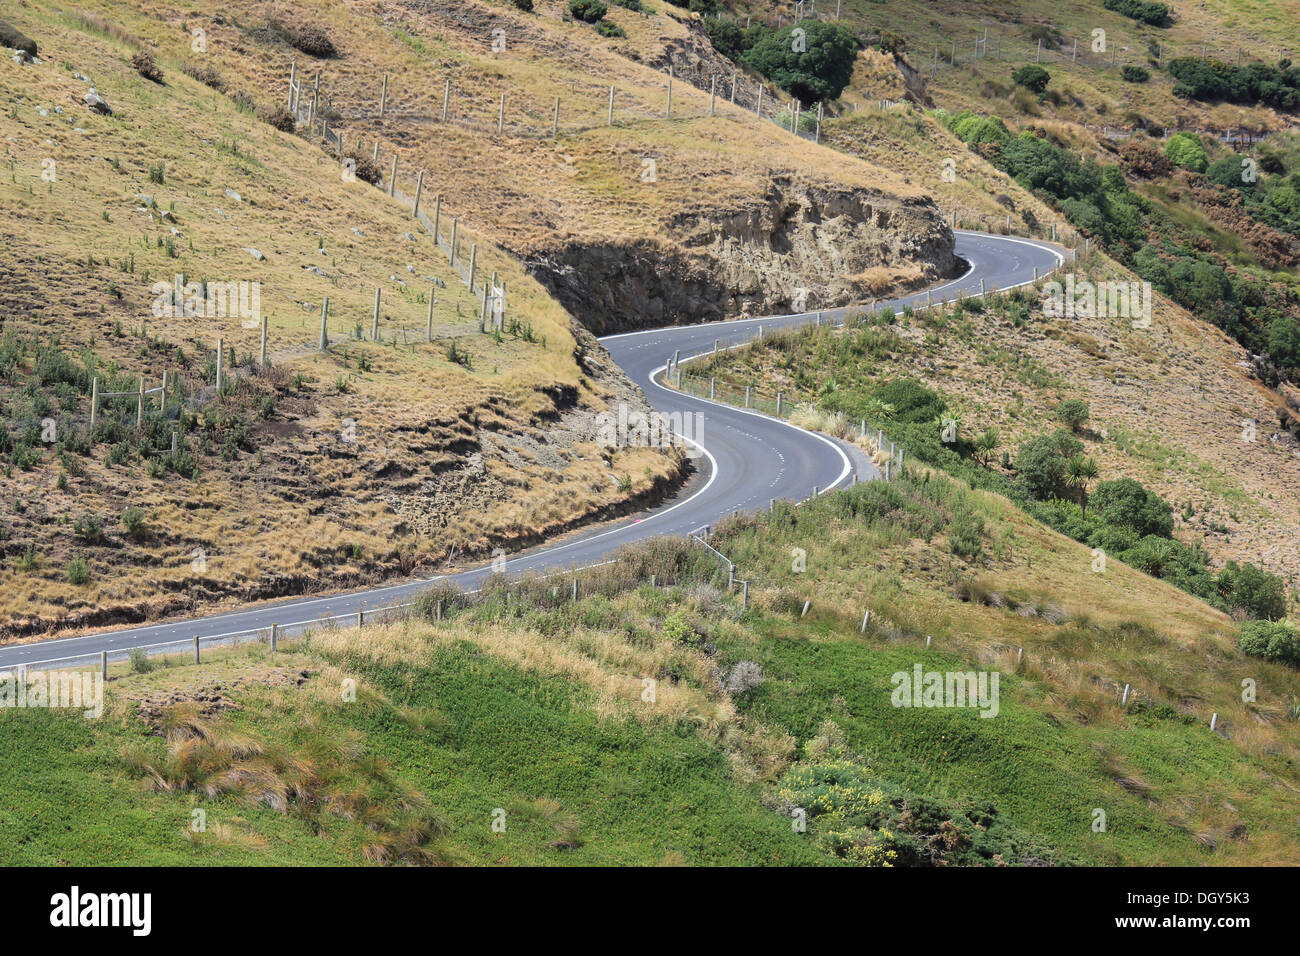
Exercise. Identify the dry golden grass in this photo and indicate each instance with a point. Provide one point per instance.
(263, 522)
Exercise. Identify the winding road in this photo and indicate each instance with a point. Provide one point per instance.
(745, 459)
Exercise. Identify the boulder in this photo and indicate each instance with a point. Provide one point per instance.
(97, 103)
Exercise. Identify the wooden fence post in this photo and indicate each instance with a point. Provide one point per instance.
(392, 176)
(610, 121)
(94, 401)
(430, 317)
(446, 98)
(324, 318)
(383, 97)
(139, 406)
(374, 318)
(220, 349)
(419, 188)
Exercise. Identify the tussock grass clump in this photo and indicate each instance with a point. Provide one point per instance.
(94, 23)
(314, 774)
(306, 37)
(205, 74)
(279, 117)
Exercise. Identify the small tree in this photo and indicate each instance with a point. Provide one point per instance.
(1073, 413)
(813, 65)
(1079, 473)
(987, 444)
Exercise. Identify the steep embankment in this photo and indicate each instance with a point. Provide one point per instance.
(374, 458)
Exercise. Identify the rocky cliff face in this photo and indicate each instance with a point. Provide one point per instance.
(800, 246)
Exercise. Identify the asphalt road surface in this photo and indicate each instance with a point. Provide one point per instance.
(743, 460)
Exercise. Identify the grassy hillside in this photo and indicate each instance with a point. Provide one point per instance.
(182, 180)
(542, 708)
(1166, 407)
(1086, 89)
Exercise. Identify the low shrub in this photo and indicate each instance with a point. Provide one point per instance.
(143, 63)
(279, 117)
(589, 11)
(1272, 642)
(78, 571)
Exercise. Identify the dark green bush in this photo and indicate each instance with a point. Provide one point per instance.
(1073, 413)
(1253, 590)
(589, 11)
(1032, 77)
(1272, 642)
(1129, 503)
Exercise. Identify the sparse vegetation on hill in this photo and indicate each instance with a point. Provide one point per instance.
(813, 763)
(234, 509)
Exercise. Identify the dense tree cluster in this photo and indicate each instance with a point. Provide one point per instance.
(1207, 78)
(1155, 14)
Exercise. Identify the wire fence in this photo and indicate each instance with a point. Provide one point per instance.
(773, 403)
(451, 598)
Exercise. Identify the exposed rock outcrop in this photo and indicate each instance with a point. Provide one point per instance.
(801, 246)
